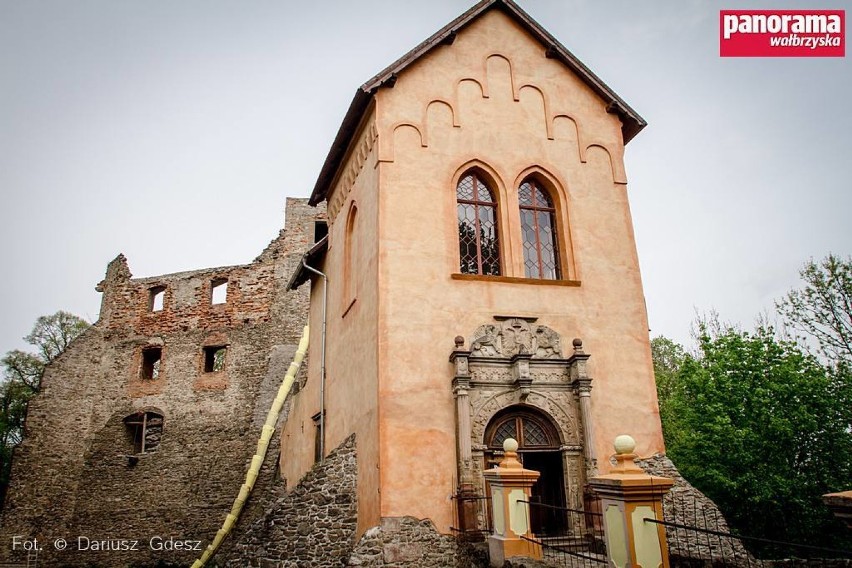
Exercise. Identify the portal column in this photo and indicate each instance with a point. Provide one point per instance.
(466, 495)
(582, 383)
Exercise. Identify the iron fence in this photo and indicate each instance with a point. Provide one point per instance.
(568, 537)
(473, 515)
(699, 537)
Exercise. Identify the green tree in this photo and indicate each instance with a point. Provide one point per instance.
(668, 358)
(761, 427)
(22, 374)
(822, 308)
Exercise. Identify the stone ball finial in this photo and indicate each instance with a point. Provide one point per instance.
(459, 340)
(624, 444)
(510, 445)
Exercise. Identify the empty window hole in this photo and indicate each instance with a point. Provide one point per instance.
(214, 359)
(156, 297)
(219, 292)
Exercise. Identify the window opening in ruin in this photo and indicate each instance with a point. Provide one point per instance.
(151, 360)
(320, 230)
(144, 430)
(156, 297)
(214, 359)
(219, 291)
(479, 247)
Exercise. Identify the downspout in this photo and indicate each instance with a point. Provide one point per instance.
(322, 354)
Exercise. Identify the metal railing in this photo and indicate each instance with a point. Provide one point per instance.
(568, 537)
(698, 537)
(473, 515)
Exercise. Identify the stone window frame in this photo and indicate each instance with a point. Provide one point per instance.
(509, 225)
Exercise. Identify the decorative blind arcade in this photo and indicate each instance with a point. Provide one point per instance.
(479, 248)
(541, 255)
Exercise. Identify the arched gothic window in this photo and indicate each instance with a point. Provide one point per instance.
(479, 246)
(349, 257)
(538, 228)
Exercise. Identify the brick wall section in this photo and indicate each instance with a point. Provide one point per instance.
(313, 525)
(72, 476)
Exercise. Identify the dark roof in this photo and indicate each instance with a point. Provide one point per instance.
(311, 258)
(632, 122)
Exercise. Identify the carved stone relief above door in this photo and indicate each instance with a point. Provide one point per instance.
(515, 335)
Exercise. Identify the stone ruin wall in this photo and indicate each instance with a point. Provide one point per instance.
(78, 473)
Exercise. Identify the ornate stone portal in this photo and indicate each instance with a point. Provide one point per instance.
(517, 366)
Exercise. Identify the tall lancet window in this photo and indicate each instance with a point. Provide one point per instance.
(479, 246)
(538, 228)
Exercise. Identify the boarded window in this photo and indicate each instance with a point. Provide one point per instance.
(219, 291)
(156, 297)
(152, 358)
(144, 431)
(214, 359)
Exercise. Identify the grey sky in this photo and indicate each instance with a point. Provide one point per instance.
(173, 131)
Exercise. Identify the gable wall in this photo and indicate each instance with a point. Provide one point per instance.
(492, 99)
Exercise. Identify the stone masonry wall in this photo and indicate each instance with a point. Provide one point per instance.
(79, 474)
(406, 542)
(312, 526)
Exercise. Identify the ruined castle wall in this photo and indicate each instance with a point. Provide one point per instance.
(81, 472)
(313, 525)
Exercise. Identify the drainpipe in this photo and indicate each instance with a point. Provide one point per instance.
(322, 355)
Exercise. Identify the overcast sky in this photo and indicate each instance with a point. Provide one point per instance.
(172, 131)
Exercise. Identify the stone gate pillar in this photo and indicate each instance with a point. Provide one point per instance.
(629, 496)
(510, 486)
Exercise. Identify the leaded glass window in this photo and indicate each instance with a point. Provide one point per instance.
(538, 228)
(479, 247)
(529, 431)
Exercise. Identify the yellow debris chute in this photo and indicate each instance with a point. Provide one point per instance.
(262, 447)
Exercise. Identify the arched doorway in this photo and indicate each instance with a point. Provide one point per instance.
(538, 449)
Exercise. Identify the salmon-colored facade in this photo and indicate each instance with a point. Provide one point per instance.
(492, 96)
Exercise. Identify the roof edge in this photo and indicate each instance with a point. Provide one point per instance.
(302, 274)
(632, 122)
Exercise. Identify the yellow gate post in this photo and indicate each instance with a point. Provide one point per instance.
(510, 487)
(628, 497)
